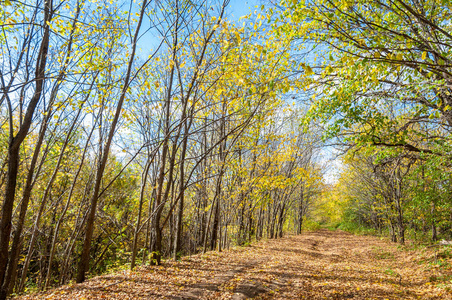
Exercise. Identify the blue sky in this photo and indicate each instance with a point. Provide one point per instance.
(239, 8)
(236, 9)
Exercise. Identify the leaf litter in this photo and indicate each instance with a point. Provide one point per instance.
(314, 265)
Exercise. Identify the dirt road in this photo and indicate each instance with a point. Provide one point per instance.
(315, 265)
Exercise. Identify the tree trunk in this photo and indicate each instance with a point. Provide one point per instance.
(85, 255)
(178, 238)
(140, 208)
(44, 201)
(66, 207)
(16, 246)
(14, 148)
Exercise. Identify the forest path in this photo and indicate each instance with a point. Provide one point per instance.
(315, 265)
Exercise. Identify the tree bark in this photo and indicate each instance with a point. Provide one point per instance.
(85, 255)
(14, 147)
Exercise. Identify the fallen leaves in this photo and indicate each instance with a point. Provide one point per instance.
(315, 265)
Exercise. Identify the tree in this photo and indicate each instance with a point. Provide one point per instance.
(84, 258)
(379, 75)
(379, 63)
(16, 139)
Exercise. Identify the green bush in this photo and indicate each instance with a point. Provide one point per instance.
(311, 225)
(356, 228)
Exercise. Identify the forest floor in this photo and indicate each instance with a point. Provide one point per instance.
(315, 265)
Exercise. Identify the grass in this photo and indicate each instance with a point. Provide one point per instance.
(356, 229)
(380, 253)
